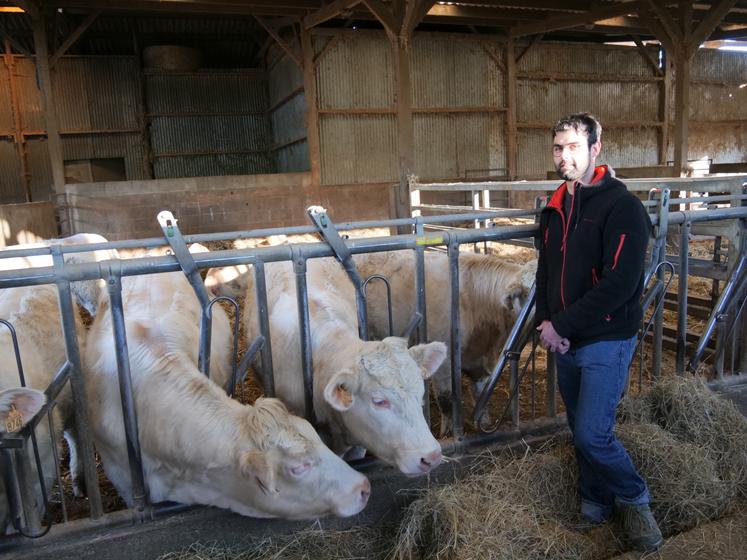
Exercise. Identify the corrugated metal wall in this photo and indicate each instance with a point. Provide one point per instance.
(209, 122)
(718, 106)
(614, 83)
(97, 105)
(287, 110)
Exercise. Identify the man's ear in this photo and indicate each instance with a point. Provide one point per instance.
(429, 356)
(596, 147)
(339, 391)
(255, 464)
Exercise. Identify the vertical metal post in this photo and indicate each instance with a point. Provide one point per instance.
(682, 297)
(513, 390)
(660, 253)
(25, 472)
(718, 366)
(456, 345)
(260, 292)
(476, 222)
(72, 354)
(420, 307)
(716, 259)
(112, 275)
(552, 385)
(743, 341)
(304, 324)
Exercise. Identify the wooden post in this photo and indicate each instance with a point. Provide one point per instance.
(511, 129)
(681, 109)
(313, 196)
(405, 129)
(664, 109)
(44, 76)
(143, 119)
(20, 140)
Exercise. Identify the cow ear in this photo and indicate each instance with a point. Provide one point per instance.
(254, 463)
(18, 406)
(429, 356)
(339, 391)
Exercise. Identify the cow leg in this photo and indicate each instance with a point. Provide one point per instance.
(76, 465)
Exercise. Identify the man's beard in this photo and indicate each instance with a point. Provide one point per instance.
(570, 173)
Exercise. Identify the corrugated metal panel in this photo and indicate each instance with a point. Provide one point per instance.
(357, 72)
(214, 165)
(284, 78)
(546, 101)
(6, 110)
(358, 149)
(209, 134)
(41, 172)
(723, 143)
(126, 146)
(586, 59)
(29, 95)
(288, 120)
(293, 158)
(11, 188)
(206, 91)
(718, 102)
(459, 145)
(712, 64)
(453, 72)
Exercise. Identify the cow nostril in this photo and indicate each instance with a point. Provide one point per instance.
(365, 494)
(425, 462)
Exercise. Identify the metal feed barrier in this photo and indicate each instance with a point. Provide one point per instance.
(728, 318)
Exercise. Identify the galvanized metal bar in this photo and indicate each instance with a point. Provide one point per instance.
(235, 342)
(72, 355)
(718, 310)
(660, 243)
(513, 364)
(28, 498)
(682, 298)
(388, 297)
(263, 318)
(242, 369)
(552, 385)
(141, 502)
(324, 224)
(414, 323)
(304, 324)
(420, 281)
(455, 346)
(718, 365)
(58, 473)
(743, 339)
(173, 236)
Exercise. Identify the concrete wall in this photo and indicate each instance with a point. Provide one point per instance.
(26, 223)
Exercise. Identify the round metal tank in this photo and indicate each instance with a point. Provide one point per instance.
(172, 57)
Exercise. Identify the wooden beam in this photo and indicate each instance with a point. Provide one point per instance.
(15, 107)
(311, 120)
(669, 43)
(405, 129)
(535, 39)
(416, 11)
(665, 114)
(331, 10)
(707, 26)
(16, 45)
(512, 162)
(326, 48)
(74, 36)
(670, 26)
(647, 55)
(686, 17)
(384, 15)
(494, 57)
(573, 20)
(279, 40)
(681, 109)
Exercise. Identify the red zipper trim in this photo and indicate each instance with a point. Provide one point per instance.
(566, 227)
(619, 249)
(594, 277)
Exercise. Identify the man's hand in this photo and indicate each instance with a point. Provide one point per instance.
(551, 340)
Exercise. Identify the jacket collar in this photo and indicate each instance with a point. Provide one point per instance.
(556, 201)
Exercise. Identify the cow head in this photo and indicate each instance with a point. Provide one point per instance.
(380, 401)
(229, 281)
(290, 473)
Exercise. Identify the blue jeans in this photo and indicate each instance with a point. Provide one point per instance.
(591, 380)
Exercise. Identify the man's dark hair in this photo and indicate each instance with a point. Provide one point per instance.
(580, 122)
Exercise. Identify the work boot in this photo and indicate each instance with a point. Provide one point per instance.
(640, 527)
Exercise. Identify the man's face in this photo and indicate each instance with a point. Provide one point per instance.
(572, 155)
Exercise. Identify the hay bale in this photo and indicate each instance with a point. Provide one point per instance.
(684, 482)
(689, 410)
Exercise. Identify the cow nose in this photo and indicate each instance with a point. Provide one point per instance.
(365, 490)
(431, 460)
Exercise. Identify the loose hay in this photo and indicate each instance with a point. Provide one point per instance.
(360, 543)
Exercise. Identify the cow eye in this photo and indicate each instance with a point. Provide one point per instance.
(299, 470)
(380, 402)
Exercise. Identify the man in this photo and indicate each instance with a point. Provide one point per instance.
(593, 237)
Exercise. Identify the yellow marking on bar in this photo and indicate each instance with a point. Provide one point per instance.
(429, 240)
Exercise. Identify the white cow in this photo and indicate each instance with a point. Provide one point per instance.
(492, 291)
(198, 445)
(369, 394)
(34, 314)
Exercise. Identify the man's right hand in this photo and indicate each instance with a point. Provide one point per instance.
(551, 340)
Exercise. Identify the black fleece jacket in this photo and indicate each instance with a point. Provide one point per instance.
(590, 269)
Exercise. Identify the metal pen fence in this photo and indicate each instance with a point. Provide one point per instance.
(728, 317)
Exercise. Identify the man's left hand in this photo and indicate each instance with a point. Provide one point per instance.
(551, 340)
